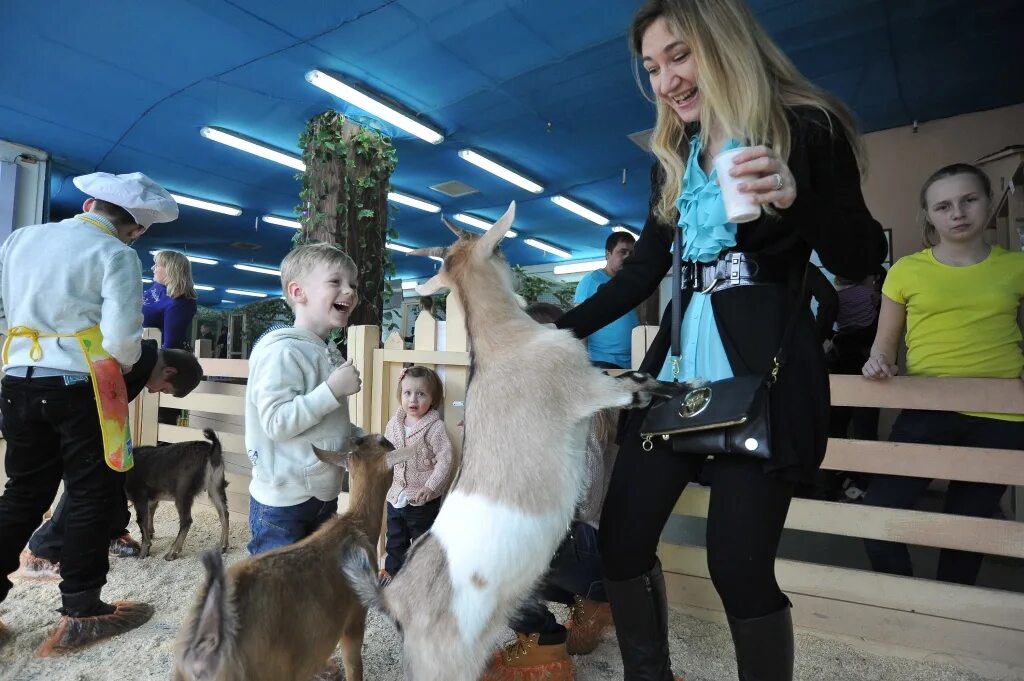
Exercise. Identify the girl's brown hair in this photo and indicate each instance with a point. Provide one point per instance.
(931, 237)
(433, 383)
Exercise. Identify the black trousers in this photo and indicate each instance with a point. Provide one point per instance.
(53, 432)
(406, 525)
(975, 499)
(745, 519)
(48, 540)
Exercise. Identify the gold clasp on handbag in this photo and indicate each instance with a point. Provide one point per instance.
(774, 375)
(676, 368)
(647, 444)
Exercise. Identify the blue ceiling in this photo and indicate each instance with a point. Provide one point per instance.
(120, 85)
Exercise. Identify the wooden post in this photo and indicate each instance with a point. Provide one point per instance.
(362, 342)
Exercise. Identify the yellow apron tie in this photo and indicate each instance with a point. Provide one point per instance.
(97, 223)
(36, 351)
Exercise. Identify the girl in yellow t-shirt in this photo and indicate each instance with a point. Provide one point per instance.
(960, 301)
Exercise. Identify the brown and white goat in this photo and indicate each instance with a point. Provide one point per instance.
(529, 401)
(278, 616)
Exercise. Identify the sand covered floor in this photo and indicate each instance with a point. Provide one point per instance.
(701, 650)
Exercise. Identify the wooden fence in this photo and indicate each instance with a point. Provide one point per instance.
(977, 628)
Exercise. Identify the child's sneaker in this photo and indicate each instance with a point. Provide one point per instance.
(526, 659)
(32, 566)
(588, 621)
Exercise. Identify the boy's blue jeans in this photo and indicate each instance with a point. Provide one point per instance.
(274, 526)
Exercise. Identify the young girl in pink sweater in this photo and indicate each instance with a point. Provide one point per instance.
(414, 499)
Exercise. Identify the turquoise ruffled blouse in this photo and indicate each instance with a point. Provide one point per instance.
(706, 233)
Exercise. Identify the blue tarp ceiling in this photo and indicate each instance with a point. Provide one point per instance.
(119, 85)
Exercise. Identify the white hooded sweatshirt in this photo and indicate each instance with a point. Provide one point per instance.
(288, 408)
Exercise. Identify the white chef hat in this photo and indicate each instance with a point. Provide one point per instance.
(145, 200)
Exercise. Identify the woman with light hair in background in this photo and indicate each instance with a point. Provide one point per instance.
(169, 304)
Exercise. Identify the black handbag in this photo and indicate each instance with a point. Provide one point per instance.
(730, 416)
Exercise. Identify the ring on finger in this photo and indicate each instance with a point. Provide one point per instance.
(778, 181)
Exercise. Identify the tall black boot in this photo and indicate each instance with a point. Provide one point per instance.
(640, 613)
(764, 646)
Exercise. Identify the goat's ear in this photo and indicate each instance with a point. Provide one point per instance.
(496, 233)
(398, 456)
(203, 653)
(456, 230)
(432, 285)
(334, 458)
(431, 252)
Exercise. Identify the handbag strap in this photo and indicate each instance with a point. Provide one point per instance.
(677, 312)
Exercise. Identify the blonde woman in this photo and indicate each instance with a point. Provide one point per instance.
(718, 82)
(169, 304)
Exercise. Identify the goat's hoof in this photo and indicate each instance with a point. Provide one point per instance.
(170, 555)
(144, 553)
(224, 549)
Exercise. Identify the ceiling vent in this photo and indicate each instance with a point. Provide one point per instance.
(245, 246)
(642, 139)
(454, 188)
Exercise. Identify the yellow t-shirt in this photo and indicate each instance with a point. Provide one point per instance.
(961, 321)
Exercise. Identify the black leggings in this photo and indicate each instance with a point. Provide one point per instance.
(744, 524)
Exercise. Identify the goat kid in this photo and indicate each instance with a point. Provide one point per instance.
(278, 616)
(530, 397)
(178, 472)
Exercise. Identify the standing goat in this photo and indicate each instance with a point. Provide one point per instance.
(278, 616)
(531, 394)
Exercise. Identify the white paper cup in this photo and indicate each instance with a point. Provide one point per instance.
(739, 207)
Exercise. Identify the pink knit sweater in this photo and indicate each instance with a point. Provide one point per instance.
(433, 460)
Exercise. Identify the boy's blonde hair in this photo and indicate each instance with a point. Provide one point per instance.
(178, 273)
(304, 259)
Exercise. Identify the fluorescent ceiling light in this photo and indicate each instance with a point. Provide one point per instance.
(190, 258)
(146, 280)
(481, 224)
(258, 269)
(574, 267)
(544, 246)
(625, 230)
(229, 302)
(406, 285)
(372, 106)
(243, 144)
(398, 247)
(240, 292)
(206, 205)
(202, 287)
(582, 211)
(282, 222)
(500, 170)
(434, 257)
(414, 202)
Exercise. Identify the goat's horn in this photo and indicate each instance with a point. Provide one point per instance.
(436, 251)
(458, 231)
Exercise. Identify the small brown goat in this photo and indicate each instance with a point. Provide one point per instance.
(278, 616)
(177, 472)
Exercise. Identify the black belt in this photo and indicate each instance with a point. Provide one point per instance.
(730, 269)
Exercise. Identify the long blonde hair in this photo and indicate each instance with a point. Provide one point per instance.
(746, 83)
(178, 272)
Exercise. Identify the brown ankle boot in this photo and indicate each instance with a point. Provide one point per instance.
(588, 621)
(31, 566)
(74, 633)
(525, 659)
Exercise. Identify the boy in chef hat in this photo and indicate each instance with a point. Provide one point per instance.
(70, 307)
